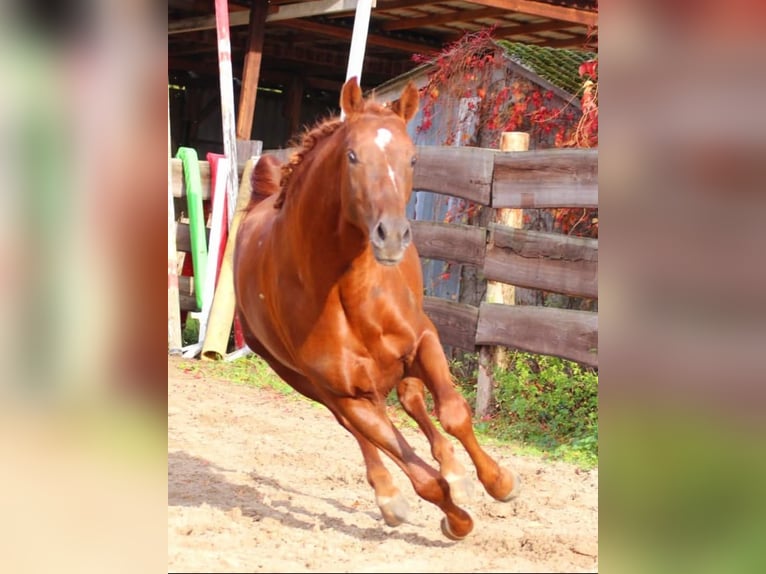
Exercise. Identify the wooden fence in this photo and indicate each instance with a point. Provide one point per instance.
(536, 260)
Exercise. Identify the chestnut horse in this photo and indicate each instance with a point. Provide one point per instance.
(329, 292)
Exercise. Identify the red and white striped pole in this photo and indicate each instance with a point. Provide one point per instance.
(226, 80)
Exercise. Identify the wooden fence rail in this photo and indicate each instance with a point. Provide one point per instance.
(536, 260)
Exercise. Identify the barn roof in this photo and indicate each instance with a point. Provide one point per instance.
(312, 38)
(558, 66)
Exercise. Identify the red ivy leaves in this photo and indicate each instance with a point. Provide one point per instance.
(589, 69)
(469, 68)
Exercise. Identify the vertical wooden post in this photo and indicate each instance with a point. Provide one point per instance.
(493, 357)
(293, 106)
(252, 69)
(175, 341)
(499, 292)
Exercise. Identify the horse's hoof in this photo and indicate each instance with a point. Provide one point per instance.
(394, 509)
(515, 490)
(460, 488)
(449, 533)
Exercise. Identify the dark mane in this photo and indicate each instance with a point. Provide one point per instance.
(308, 140)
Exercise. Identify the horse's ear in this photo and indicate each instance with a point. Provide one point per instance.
(407, 105)
(351, 100)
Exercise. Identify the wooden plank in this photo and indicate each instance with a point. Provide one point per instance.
(183, 237)
(276, 13)
(528, 243)
(545, 10)
(292, 107)
(437, 19)
(343, 33)
(455, 322)
(251, 70)
(524, 29)
(188, 303)
(187, 296)
(577, 278)
(560, 332)
(179, 186)
(464, 172)
(451, 242)
(175, 340)
(546, 178)
(177, 174)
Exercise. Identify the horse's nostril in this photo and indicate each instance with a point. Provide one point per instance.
(381, 231)
(406, 235)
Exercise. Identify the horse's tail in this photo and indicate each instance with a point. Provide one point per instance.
(264, 180)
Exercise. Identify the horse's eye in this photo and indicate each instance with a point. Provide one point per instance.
(414, 160)
(352, 156)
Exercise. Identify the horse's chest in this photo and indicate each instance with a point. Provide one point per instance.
(384, 321)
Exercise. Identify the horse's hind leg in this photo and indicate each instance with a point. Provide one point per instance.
(411, 396)
(454, 414)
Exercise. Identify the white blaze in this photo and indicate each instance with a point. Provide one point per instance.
(382, 140)
(391, 175)
(384, 136)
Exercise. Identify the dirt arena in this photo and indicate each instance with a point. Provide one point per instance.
(262, 482)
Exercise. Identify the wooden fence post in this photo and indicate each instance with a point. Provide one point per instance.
(493, 357)
(175, 341)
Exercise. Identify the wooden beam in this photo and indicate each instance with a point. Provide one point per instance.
(454, 242)
(547, 26)
(575, 278)
(292, 109)
(252, 69)
(545, 178)
(345, 34)
(385, 5)
(464, 172)
(543, 10)
(455, 322)
(275, 14)
(582, 42)
(437, 19)
(521, 29)
(544, 330)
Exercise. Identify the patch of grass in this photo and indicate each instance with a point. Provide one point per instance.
(251, 370)
(546, 405)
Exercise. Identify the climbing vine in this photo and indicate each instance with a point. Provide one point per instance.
(479, 100)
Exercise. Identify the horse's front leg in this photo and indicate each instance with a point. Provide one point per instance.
(370, 420)
(454, 414)
(411, 396)
(393, 506)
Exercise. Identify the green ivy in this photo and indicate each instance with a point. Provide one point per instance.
(551, 403)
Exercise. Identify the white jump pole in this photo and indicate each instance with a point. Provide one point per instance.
(358, 40)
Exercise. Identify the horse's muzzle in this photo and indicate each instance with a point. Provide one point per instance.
(390, 238)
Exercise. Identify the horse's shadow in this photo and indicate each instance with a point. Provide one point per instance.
(193, 481)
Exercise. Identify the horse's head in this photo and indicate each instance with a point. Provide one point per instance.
(380, 157)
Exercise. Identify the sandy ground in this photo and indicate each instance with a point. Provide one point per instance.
(261, 482)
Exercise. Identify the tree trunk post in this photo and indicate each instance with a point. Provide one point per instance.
(491, 358)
